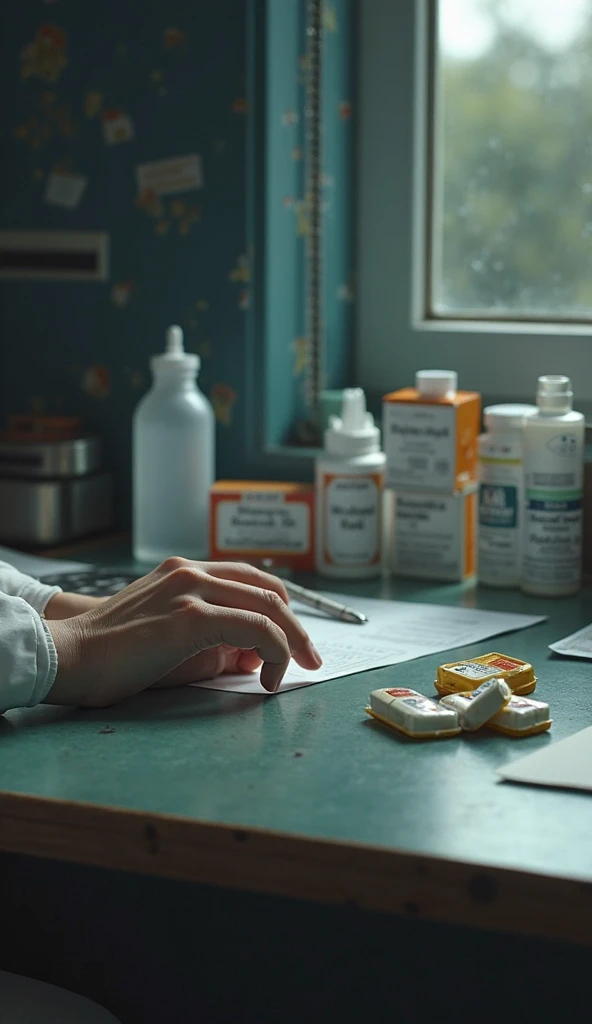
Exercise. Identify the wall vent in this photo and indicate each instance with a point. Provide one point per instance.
(54, 255)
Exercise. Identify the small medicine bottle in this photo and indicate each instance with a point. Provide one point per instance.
(349, 489)
(554, 480)
(501, 494)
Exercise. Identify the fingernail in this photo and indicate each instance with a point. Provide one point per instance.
(316, 655)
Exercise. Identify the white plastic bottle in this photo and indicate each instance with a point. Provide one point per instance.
(173, 459)
(553, 472)
(349, 488)
(501, 494)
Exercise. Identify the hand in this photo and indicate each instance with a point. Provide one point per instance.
(183, 622)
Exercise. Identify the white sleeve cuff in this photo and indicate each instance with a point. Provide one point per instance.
(18, 584)
(47, 663)
(37, 594)
(28, 659)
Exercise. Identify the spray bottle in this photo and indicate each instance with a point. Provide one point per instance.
(173, 459)
(349, 487)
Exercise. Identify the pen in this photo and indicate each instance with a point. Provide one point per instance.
(324, 604)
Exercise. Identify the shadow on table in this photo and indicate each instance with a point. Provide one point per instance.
(175, 704)
(485, 744)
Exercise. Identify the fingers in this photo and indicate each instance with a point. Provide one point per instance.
(221, 584)
(249, 631)
(239, 572)
(265, 602)
(247, 661)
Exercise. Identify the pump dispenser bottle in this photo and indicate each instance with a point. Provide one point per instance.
(349, 488)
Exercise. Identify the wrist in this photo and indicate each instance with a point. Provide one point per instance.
(65, 606)
(68, 639)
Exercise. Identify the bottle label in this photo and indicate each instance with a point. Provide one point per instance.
(553, 514)
(420, 445)
(431, 539)
(472, 670)
(500, 523)
(351, 519)
(553, 540)
(268, 525)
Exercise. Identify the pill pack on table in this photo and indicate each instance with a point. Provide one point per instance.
(487, 692)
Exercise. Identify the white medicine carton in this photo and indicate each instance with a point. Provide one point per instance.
(433, 536)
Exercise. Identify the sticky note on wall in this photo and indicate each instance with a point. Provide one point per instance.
(168, 177)
(117, 127)
(65, 189)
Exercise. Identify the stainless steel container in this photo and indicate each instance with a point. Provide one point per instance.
(50, 459)
(49, 512)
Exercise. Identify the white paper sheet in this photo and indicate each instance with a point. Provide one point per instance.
(567, 764)
(577, 645)
(37, 566)
(397, 631)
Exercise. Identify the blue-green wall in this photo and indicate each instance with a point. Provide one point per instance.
(187, 99)
(71, 348)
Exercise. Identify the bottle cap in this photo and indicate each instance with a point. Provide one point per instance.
(175, 359)
(436, 383)
(554, 394)
(174, 340)
(507, 417)
(354, 432)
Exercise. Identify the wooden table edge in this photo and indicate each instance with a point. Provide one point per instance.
(300, 867)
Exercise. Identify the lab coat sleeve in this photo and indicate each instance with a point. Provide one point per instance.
(17, 584)
(28, 659)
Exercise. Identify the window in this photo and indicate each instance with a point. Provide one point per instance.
(475, 194)
(511, 160)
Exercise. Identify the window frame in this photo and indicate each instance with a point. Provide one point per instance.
(266, 452)
(396, 333)
(262, 457)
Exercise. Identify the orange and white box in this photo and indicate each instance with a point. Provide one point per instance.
(253, 520)
(433, 536)
(431, 443)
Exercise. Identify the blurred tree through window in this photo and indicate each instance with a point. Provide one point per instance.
(512, 160)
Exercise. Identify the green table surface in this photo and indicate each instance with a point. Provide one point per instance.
(310, 763)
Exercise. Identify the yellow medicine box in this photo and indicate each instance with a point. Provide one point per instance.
(477, 707)
(459, 676)
(522, 717)
(412, 714)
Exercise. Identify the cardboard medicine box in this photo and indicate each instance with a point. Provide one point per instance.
(433, 536)
(261, 520)
(431, 442)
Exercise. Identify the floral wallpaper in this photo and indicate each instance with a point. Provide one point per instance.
(132, 119)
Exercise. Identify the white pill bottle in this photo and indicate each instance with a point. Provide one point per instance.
(501, 494)
(349, 491)
(553, 476)
(173, 459)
